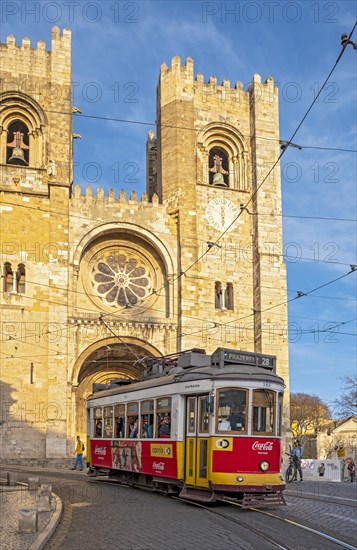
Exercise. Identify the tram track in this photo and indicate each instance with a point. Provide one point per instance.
(323, 498)
(299, 525)
(254, 530)
(259, 532)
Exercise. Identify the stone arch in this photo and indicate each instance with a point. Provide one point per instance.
(229, 139)
(105, 360)
(16, 106)
(135, 244)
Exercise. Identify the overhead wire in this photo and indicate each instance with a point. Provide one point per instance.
(255, 192)
(89, 218)
(189, 128)
(251, 198)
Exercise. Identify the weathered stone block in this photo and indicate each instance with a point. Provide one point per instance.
(28, 521)
(11, 478)
(32, 483)
(43, 503)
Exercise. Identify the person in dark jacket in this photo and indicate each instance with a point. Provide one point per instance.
(296, 453)
(165, 428)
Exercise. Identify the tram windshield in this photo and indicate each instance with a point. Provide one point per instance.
(232, 405)
(263, 412)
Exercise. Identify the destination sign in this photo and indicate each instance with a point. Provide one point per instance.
(223, 356)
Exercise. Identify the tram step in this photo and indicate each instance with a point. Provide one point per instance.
(263, 500)
(197, 494)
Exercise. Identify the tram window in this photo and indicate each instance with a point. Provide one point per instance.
(132, 411)
(203, 458)
(98, 428)
(191, 415)
(108, 421)
(98, 421)
(147, 418)
(119, 414)
(231, 415)
(163, 410)
(203, 416)
(263, 411)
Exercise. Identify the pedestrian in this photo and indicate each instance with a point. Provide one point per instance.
(352, 470)
(78, 454)
(296, 453)
(321, 469)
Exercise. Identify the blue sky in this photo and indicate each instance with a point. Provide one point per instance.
(118, 48)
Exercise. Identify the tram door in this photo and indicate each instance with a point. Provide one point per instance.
(197, 440)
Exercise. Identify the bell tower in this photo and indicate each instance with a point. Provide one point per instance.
(35, 182)
(215, 146)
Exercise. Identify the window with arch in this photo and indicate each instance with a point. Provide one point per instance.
(20, 279)
(218, 167)
(17, 146)
(218, 296)
(222, 157)
(223, 295)
(229, 297)
(23, 127)
(8, 278)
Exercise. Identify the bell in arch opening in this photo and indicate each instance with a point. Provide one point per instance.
(17, 147)
(218, 167)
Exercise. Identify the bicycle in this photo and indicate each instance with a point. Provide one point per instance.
(290, 471)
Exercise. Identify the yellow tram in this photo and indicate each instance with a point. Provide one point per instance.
(206, 428)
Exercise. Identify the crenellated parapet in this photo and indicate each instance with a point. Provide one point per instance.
(111, 200)
(36, 100)
(39, 63)
(179, 79)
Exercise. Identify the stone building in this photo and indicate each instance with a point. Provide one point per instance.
(92, 283)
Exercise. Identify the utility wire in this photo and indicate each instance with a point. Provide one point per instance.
(88, 218)
(244, 208)
(189, 128)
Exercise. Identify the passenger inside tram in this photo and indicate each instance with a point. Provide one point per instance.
(98, 429)
(130, 425)
(120, 427)
(134, 432)
(147, 426)
(165, 426)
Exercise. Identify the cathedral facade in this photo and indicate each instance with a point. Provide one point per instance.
(94, 282)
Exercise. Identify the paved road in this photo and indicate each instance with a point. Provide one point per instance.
(111, 516)
(108, 516)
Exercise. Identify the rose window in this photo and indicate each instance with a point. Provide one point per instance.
(122, 281)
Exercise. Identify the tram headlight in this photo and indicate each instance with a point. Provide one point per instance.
(240, 478)
(264, 465)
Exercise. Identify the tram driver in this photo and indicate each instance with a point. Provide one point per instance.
(237, 419)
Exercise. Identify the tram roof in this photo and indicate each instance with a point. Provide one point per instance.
(177, 374)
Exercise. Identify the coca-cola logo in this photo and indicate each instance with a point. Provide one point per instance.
(262, 446)
(158, 466)
(100, 451)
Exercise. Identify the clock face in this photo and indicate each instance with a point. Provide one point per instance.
(221, 213)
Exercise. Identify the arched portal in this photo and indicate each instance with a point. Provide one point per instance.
(103, 363)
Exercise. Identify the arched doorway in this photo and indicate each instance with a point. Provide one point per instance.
(100, 365)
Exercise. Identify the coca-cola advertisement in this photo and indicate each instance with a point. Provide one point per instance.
(101, 453)
(245, 453)
(153, 458)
